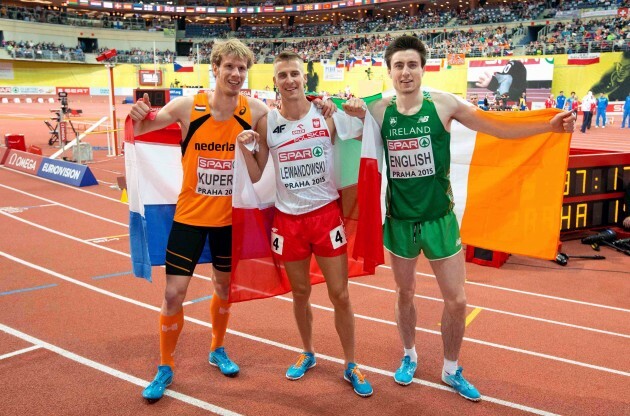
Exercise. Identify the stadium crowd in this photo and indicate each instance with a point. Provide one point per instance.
(355, 38)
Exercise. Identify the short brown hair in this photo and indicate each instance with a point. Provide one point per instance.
(231, 47)
(403, 43)
(288, 56)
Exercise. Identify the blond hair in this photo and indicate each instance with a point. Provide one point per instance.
(232, 47)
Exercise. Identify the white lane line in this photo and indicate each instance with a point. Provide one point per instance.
(38, 343)
(59, 233)
(18, 352)
(522, 292)
(256, 338)
(383, 266)
(518, 315)
(481, 342)
(65, 206)
(501, 346)
(64, 185)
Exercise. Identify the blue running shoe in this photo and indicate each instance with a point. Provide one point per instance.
(305, 362)
(155, 390)
(461, 385)
(353, 376)
(219, 358)
(404, 374)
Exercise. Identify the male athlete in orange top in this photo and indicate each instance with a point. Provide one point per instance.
(209, 124)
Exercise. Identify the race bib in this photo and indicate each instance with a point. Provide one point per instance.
(411, 158)
(215, 176)
(302, 168)
(338, 237)
(277, 243)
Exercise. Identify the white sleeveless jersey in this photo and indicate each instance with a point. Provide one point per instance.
(302, 153)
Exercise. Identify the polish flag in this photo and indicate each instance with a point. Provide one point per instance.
(583, 58)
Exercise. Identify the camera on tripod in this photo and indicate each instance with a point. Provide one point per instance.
(62, 96)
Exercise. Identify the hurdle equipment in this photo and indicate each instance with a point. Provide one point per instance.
(78, 139)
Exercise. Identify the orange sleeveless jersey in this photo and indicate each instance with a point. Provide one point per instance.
(208, 161)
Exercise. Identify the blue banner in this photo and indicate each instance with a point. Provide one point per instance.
(66, 172)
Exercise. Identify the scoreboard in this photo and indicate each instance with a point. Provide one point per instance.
(158, 97)
(594, 191)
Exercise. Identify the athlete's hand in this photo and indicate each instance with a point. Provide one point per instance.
(327, 108)
(484, 80)
(248, 139)
(141, 109)
(563, 122)
(355, 107)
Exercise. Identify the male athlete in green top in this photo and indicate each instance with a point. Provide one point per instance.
(415, 127)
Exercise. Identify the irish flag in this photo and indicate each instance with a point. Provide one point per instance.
(508, 192)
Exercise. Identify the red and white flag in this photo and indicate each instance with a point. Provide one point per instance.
(583, 58)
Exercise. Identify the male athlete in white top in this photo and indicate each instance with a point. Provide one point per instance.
(308, 218)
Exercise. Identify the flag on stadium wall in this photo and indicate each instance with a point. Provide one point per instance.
(367, 60)
(183, 66)
(433, 65)
(583, 58)
(349, 64)
(341, 63)
(377, 61)
(507, 193)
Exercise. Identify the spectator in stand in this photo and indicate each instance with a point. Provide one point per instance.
(602, 104)
(626, 116)
(561, 100)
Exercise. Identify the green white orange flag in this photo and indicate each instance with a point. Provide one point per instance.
(507, 193)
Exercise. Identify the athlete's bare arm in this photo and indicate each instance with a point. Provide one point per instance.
(449, 107)
(377, 109)
(253, 144)
(176, 111)
(258, 109)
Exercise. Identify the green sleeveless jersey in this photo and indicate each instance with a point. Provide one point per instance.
(418, 157)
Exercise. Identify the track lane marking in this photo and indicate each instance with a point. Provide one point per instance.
(473, 340)
(38, 343)
(382, 266)
(472, 315)
(259, 339)
(19, 352)
(499, 311)
(89, 214)
(522, 292)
